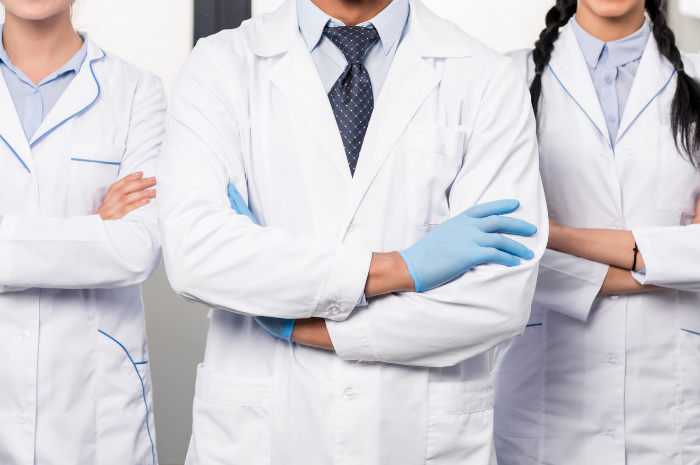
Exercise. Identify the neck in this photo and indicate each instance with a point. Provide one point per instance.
(610, 29)
(40, 47)
(352, 12)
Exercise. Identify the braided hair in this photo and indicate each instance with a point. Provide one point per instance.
(685, 107)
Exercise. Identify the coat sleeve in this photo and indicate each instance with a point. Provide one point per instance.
(85, 252)
(214, 256)
(671, 256)
(490, 303)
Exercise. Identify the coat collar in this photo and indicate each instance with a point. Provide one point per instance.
(80, 94)
(277, 33)
(571, 71)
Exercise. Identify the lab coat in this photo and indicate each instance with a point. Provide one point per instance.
(609, 379)
(409, 379)
(74, 372)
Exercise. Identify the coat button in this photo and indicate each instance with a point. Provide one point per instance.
(349, 394)
(613, 361)
(611, 433)
(334, 309)
(352, 228)
(615, 296)
(617, 224)
(24, 335)
(22, 417)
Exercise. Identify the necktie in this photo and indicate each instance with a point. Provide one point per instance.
(351, 95)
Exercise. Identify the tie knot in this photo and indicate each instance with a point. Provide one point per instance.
(353, 41)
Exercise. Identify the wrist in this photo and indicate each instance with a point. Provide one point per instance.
(388, 273)
(558, 237)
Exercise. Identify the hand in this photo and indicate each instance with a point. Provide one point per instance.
(126, 195)
(278, 327)
(472, 238)
(696, 219)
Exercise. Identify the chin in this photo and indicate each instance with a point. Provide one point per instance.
(612, 8)
(36, 10)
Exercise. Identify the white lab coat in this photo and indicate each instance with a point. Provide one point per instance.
(74, 379)
(610, 379)
(409, 381)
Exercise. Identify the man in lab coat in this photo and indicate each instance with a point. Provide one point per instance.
(361, 135)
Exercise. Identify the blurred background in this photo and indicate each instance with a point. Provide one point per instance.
(157, 35)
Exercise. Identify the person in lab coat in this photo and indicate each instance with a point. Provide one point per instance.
(608, 369)
(80, 132)
(377, 146)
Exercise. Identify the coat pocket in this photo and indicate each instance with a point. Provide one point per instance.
(460, 428)
(231, 420)
(93, 169)
(433, 159)
(125, 426)
(690, 387)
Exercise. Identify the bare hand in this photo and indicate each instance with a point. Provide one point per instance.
(696, 220)
(126, 195)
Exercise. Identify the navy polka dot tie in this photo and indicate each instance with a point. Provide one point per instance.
(351, 95)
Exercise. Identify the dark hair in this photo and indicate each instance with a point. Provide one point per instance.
(685, 108)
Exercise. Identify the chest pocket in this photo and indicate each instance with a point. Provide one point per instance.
(93, 169)
(678, 185)
(433, 159)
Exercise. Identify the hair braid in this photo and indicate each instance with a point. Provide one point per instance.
(556, 18)
(685, 108)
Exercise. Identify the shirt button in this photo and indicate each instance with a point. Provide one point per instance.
(608, 81)
(334, 309)
(349, 394)
(613, 361)
(24, 335)
(352, 228)
(22, 417)
(611, 119)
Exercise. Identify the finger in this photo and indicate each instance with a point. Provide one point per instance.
(131, 207)
(238, 204)
(507, 245)
(497, 207)
(502, 258)
(138, 185)
(507, 225)
(137, 196)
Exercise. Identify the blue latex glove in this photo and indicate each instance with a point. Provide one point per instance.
(472, 238)
(278, 327)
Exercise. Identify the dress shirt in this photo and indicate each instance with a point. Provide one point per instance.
(33, 102)
(613, 66)
(330, 61)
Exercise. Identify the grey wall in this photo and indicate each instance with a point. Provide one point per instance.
(177, 329)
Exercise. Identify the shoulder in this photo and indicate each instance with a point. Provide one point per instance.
(523, 61)
(691, 62)
(118, 74)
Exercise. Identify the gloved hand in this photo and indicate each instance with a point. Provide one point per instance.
(472, 238)
(278, 327)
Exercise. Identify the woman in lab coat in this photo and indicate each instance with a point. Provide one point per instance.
(608, 369)
(80, 132)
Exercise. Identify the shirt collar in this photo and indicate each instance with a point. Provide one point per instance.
(621, 51)
(73, 65)
(389, 23)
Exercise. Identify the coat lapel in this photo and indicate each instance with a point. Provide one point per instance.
(409, 83)
(82, 92)
(654, 74)
(11, 132)
(569, 68)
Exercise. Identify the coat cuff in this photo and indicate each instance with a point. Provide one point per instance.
(352, 340)
(345, 284)
(653, 270)
(568, 284)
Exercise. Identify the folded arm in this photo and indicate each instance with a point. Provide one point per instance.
(87, 251)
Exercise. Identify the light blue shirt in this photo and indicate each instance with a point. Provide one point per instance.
(330, 61)
(613, 66)
(33, 102)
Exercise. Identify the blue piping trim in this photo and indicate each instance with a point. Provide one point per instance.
(689, 331)
(645, 106)
(143, 389)
(579, 105)
(96, 161)
(99, 91)
(141, 363)
(16, 155)
(534, 324)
